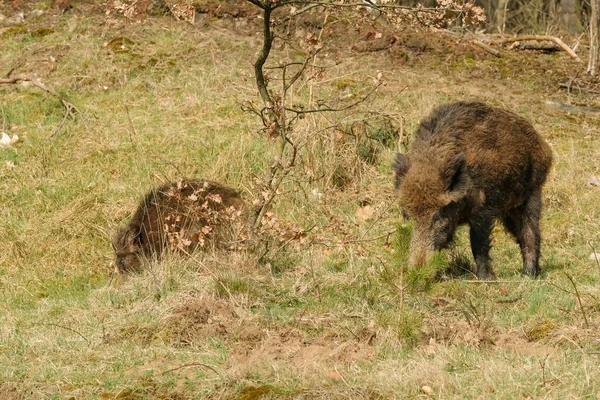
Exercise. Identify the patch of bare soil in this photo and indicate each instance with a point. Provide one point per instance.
(198, 319)
(292, 348)
(515, 343)
(537, 339)
(449, 330)
(8, 391)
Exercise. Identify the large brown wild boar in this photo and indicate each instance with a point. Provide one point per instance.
(179, 216)
(471, 163)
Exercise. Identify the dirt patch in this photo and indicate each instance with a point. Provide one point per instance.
(290, 347)
(453, 330)
(198, 319)
(8, 391)
(193, 322)
(514, 343)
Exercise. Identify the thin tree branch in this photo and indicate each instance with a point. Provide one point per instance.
(299, 73)
(63, 327)
(595, 254)
(587, 325)
(354, 241)
(330, 109)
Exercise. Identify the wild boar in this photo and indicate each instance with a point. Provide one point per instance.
(178, 216)
(471, 163)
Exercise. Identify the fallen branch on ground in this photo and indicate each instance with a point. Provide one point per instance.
(68, 105)
(487, 48)
(194, 364)
(571, 108)
(543, 37)
(500, 281)
(570, 87)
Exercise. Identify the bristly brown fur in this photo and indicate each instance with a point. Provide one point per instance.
(473, 163)
(179, 216)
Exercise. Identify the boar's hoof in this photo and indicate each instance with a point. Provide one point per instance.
(531, 272)
(486, 275)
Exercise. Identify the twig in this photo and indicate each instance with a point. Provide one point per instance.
(500, 281)
(352, 241)
(587, 325)
(296, 13)
(62, 123)
(509, 301)
(540, 37)
(132, 130)
(353, 334)
(378, 218)
(68, 105)
(195, 364)
(63, 327)
(299, 73)
(595, 254)
(560, 288)
(329, 109)
(3, 118)
(569, 87)
(316, 283)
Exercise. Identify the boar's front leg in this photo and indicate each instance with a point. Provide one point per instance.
(481, 229)
(524, 224)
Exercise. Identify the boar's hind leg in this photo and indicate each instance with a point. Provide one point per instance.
(480, 246)
(524, 224)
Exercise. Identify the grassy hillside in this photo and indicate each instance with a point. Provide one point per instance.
(335, 315)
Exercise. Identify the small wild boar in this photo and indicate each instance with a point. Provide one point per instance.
(179, 216)
(471, 163)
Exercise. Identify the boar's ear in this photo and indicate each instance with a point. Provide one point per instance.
(456, 177)
(401, 166)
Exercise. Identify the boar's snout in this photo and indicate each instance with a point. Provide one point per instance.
(127, 246)
(421, 247)
(129, 262)
(442, 229)
(430, 237)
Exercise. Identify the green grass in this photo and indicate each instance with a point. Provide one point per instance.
(338, 315)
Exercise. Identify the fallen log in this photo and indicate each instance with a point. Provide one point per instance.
(554, 39)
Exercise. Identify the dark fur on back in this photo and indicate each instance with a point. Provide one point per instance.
(179, 216)
(473, 163)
